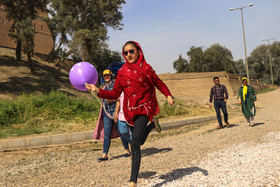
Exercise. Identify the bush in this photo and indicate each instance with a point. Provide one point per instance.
(178, 109)
(54, 106)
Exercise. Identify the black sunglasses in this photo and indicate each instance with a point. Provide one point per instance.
(131, 51)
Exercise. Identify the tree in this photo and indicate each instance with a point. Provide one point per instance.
(105, 57)
(59, 23)
(196, 61)
(181, 65)
(22, 13)
(219, 58)
(85, 23)
(240, 68)
(259, 63)
(275, 60)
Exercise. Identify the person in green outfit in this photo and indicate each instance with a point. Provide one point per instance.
(247, 97)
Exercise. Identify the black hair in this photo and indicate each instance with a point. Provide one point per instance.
(215, 78)
(132, 43)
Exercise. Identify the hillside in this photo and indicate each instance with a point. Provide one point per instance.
(15, 77)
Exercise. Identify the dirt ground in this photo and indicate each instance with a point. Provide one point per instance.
(162, 154)
(15, 77)
(76, 165)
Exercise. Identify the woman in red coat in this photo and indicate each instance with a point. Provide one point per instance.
(137, 80)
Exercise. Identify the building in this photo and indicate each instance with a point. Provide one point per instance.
(43, 40)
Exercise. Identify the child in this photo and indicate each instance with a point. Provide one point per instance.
(137, 80)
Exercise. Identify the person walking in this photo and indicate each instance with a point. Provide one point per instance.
(137, 79)
(247, 97)
(122, 126)
(220, 95)
(106, 129)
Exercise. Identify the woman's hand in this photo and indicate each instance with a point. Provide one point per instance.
(239, 100)
(92, 88)
(170, 100)
(116, 117)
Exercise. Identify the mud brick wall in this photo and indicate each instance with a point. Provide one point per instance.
(196, 86)
(43, 41)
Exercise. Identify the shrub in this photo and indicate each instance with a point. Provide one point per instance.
(55, 105)
(178, 109)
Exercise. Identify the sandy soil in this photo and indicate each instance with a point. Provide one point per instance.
(77, 165)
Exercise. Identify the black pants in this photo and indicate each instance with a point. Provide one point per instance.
(140, 132)
(221, 104)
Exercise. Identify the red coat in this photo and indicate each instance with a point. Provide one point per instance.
(137, 81)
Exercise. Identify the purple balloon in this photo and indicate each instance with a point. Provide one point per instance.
(81, 73)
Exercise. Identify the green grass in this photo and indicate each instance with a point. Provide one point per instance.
(178, 109)
(38, 113)
(11, 132)
(57, 112)
(265, 90)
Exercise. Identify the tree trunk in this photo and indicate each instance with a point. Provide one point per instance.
(31, 66)
(18, 50)
(57, 72)
(61, 61)
(59, 64)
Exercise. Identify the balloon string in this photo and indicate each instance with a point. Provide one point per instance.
(102, 106)
(96, 97)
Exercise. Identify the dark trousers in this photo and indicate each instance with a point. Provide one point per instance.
(221, 104)
(140, 132)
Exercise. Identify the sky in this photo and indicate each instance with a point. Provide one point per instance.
(167, 28)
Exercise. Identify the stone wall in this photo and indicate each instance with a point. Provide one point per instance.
(43, 41)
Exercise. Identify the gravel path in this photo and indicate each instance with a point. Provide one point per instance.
(236, 156)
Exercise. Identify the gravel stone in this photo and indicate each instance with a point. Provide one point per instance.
(235, 156)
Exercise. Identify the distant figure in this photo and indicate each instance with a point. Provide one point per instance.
(247, 97)
(220, 94)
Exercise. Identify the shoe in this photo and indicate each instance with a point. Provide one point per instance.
(157, 125)
(220, 127)
(102, 159)
(132, 184)
(249, 124)
(252, 124)
(227, 124)
(126, 155)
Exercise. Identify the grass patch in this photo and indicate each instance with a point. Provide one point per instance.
(212, 130)
(265, 90)
(38, 113)
(178, 109)
(11, 132)
(57, 112)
